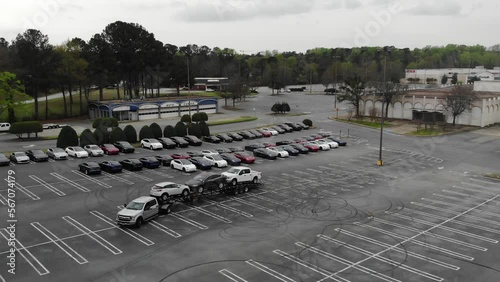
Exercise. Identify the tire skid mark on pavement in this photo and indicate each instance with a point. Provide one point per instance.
(136, 175)
(70, 182)
(189, 221)
(100, 183)
(224, 206)
(120, 179)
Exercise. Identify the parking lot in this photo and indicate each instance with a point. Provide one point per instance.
(324, 199)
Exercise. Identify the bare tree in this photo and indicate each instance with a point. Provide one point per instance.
(373, 113)
(354, 89)
(389, 92)
(459, 99)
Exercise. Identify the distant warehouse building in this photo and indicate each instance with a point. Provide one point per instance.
(152, 108)
(210, 83)
(434, 76)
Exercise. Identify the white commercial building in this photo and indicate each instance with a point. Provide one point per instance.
(434, 76)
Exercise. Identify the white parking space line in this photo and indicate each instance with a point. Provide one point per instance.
(460, 207)
(70, 182)
(129, 232)
(397, 249)
(47, 185)
(136, 175)
(230, 208)
(271, 200)
(463, 194)
(2, 279)
(231, 276)
(252, 204)
(51, 160)
(100, 183)
(61, 244)
(159, 173)
(467, 200)
(428, 215)
(493, 190)
(417, 242)
(94, 236)
(120, 179)
(485, 182)
(26, 191)
(211, 214)
(12, 164)
(434, 226)
(310, 266)
(3, 200)
(27, 255)
(475, 190)
(269, 271)
(454, 212)
(164, 229)
(382, 259)
(346, 262)
(189, 221)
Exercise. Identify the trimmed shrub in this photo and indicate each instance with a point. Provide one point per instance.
(196, 117)
(180, 129)
(26, 127)
(204, 116)
(87, 138)
(106, 122)
(195, 130)
(130, 134)
(186, 119)
(205, 130)
(156, 130)
(285, 107)
(146, 132)
(169, 131)
(101, 135)
(67, 137)
(117, 134)
(307, 122)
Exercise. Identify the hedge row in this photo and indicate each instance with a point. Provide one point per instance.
(26, 127)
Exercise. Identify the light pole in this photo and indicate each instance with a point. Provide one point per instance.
(380, 162)
(335, 86)
(189, 86)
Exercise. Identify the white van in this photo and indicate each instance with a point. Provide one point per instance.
(4, 126)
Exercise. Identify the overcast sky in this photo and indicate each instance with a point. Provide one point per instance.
(250, 26)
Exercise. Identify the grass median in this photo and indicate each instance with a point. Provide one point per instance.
(235, 120)
(372, 124)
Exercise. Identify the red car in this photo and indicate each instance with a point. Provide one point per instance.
(245, 157)
(180, 156)
(109, 149)
(269, 144)
(300, 140)
(311, 147)
(316, 136)
(264, 133)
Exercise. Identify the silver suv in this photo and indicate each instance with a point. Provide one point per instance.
(138, 211)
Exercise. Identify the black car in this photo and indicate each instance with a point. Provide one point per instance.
(164, 159)
(206, 181)
(167, 143)
(236, 149)
(340, 142)
(252, 147)
(265, 153)
(4, 160)
(294, 126)
(111, 166)
(230, 159)
(235, 136)
(285, 127)
(300, 148)
(256, 133)
(279, 129)
(201, 163)
(124, 146)
(291, 150)
(247, 134)
(193, 140)
(150, 162)
(37, 155)
(90, 168)
(131, 164)
(223, 150)
(211, 139)
(181, 142)
(224, 137)
(195, 153)
(304, 126)
(284, 142)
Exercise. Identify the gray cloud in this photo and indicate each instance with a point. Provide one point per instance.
(433, 8)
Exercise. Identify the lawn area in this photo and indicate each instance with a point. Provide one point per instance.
(372, 124)
(426, 132)
(235, 120)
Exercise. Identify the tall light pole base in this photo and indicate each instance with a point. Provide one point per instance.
(380, 162)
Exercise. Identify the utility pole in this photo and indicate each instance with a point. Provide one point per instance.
(380, 162)
(335, 85)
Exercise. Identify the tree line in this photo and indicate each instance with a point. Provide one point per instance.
(127, 54)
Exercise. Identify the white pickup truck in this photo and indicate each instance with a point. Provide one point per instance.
(242, 174)
(138, 211)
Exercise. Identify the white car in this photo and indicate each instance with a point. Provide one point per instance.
(209, 152)
(270, 130)
(165, 190)
(77, 152)
(282, 153)
(57, 154)
(216, 160)
(322, 147)
(94, 150)
(4, 126)
(330, 143)
(50, 125)
(183, 164)
(19, 158)
(151, 143)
